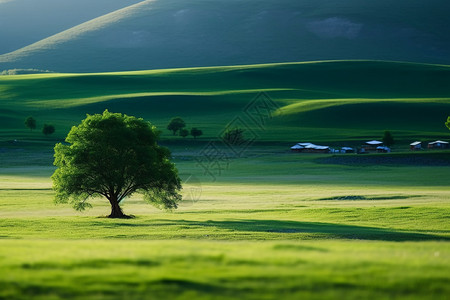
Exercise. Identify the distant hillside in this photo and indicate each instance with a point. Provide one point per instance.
(23, 22)
(318, 101)
(177, 33)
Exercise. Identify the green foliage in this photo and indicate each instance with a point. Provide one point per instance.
(195, 132)
(176, 124)
(184, 132)
(48, 129)
(388, 139)
(114, 156)
(448, 123)
(30, 122)
(234, 136)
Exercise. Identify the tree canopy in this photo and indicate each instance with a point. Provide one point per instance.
(30, 122)
(48, 129)
(195, 132)
(184, 132)
(114, 155)
(448, 123)
(176, 124)
(234, 136)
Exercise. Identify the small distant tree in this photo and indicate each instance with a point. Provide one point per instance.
(195, 132)
(184, 132)
(388, 139)
(176, 124)
(30, 122)
(114, 155)
(234, 136)
(48, 129)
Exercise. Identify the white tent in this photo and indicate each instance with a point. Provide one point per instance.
(309, 146)
(437, 143)
(374, 142)
(297, 147)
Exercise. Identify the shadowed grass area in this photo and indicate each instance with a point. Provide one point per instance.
(319, 230)
(437, 158)
(307, 222)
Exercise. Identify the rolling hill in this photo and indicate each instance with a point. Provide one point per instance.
(24, 22)
(318, 101)
(174, 33)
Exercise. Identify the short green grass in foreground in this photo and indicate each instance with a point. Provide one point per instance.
(290, 232)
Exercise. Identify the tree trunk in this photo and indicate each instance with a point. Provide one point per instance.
(116, 211)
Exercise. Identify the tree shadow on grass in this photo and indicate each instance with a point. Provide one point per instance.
(323, 230)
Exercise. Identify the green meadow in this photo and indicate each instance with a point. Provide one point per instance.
(263, 224)
(318, 101)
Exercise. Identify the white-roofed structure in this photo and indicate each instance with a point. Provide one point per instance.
(438, 145)
(297, 148)
(347, 150)
(310, 148)
(383, 149)
(374, 142)
(371, 146)
(416, 146)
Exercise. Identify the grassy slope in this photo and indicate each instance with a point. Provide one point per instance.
(321, 101)
(174, 33)
(47, 18)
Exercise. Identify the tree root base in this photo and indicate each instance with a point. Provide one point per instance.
(120, 217)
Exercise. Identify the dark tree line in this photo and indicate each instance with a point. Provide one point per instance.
(177, 126)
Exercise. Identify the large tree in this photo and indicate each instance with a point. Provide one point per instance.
(176, 124)
(114, 155)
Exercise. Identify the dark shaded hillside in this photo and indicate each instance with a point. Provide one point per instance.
(23, 22)
(176, 33)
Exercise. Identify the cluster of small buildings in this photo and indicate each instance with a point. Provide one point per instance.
(310, 148)
(367, 147)
(432, 145)
(374, 146)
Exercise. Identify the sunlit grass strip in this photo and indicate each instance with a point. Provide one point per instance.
(69, 103)
(309, 105)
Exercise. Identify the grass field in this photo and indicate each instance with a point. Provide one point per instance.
(284, 233)
(319, 101)
(269, 224)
